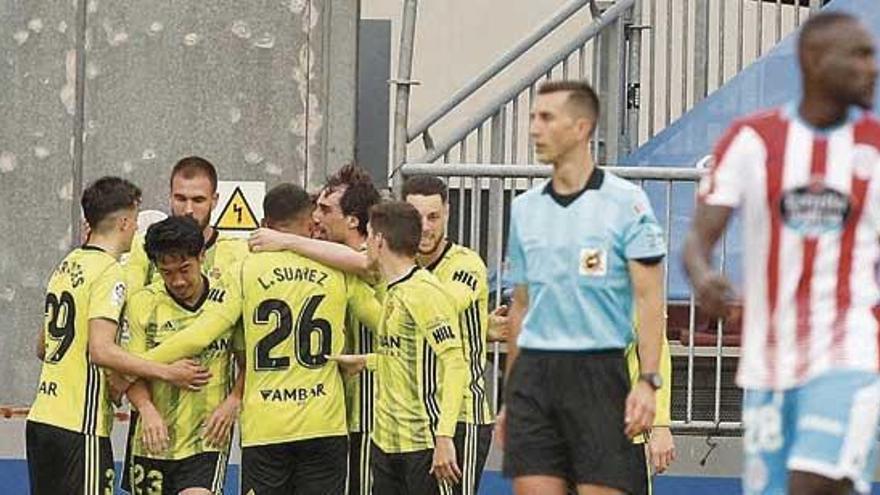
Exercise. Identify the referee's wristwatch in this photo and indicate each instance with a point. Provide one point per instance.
(652, 379)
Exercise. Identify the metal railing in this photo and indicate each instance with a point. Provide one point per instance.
(480, 197)
(645, 81)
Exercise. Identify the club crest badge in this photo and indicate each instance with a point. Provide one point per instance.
(593, 262)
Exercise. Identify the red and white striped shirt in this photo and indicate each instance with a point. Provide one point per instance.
(811, 216)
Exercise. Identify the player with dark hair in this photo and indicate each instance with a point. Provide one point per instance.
(807, 177)
(341, 214)
(293, 420)
(176, 448)
(419, 364)
(463, 274)
(68, 427)
(342, 211)
(192, 193)
(570, 408)
(343, 206)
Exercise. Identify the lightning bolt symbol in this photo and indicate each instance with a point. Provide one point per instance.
(238, 211)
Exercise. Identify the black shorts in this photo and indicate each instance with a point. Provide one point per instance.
(317, 466)
(63, 462)
(472, 444)
(168, 477)
(360, 480)
(129, 451)
(565, 418)
(644, 481)
(404, 474)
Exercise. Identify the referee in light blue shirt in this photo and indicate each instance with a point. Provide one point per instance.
(585, 251)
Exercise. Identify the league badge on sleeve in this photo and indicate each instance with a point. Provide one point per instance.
(117, 296)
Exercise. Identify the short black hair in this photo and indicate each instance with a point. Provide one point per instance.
(400, 224)
(359, 195)
(580, 93)
(819, 22)
(175, 236)
(425, 185)
(285, 202)
(107, 196)
(192, 166)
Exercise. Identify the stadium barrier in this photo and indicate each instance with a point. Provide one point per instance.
(705, 399)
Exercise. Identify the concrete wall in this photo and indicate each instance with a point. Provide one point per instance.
(264, 89)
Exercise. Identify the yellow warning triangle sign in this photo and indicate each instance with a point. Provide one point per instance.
(237, 214)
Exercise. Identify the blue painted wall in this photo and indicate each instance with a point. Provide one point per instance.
(770, 81)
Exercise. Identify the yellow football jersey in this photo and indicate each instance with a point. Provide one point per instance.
(153, 316)
(293, 311)
(359, 388)
(418, 343)
(88, 284)
(663, 414)
(463, 273)
(221, 253)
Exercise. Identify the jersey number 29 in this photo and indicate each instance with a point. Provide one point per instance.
(60, 321)
(306, 327)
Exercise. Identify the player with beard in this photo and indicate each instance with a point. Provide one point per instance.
(340, 221)
(462, 272)
(193, 193)
(806, 177)
(294, 430)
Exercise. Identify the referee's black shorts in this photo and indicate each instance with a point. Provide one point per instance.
(565, 418)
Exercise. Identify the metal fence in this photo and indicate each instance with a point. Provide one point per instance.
(650, 60)
(704, 396)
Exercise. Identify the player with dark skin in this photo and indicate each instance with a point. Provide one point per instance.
(838, 70)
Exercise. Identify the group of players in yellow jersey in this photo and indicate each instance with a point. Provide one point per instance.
(358, 332)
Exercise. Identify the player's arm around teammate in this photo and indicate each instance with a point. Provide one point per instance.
(330, 253)
(70, 420)
(103, 349)
(154, 429)
(205, 329)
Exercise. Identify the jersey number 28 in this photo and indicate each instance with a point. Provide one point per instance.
(307, 326)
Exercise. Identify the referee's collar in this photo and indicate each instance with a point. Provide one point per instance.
(597, 177)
